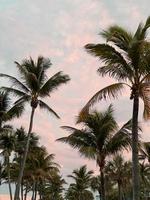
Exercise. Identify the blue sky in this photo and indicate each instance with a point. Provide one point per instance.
(59, 29)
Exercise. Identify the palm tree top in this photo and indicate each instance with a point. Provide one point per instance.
(99, 135)
(34, 83)
(125, 57)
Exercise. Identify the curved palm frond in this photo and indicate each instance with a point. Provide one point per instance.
(15, 111)
(13, 91)
(15, 82)
(43, 105)
(53, 83)
(111, 91)
(121, 140)
(119, 36)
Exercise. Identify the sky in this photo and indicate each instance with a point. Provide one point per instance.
(59, 29)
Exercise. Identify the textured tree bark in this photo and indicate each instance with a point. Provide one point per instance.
(135, 161)
(17, 191)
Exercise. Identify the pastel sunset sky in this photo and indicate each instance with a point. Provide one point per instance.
(59, 29)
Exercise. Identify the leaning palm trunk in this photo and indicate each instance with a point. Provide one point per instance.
(17, 191)
(135, 161)
(9, 183)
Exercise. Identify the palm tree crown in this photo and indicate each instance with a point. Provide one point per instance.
(126, 58)
(99, 138)
(34, 83)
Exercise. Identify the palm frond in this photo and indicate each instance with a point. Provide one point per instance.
(53, 83)
(43, 105)
(13, 91)
(111, 91)
(23, 99)
(118, 35)
(121, 140)
(15, 111)
(15, 82)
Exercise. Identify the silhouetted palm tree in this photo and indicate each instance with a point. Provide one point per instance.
(31, 88)
(99, 138)
(7, 146)
(80, 189)
(126, 59)
(119, 171)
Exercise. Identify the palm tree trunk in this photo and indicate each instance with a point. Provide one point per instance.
(26, 192)
(17, 191)
(22, 190)
(135, 161)
(119, 191)
(102, 181)
(9, 184)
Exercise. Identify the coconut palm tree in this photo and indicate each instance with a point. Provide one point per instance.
(99, 138)
(53, 188)
(82, 179)
(126, 58)
(119, 171)
(31, 88)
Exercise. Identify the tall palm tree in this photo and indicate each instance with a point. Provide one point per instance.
(31, 88)
(119, 170)
(82, 179)
(126, 58)
(99, 138)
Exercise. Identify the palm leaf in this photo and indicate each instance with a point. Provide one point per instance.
(53, 83)
(13, 91)
(46, 107)
(15, 82)
(118, 35)
(15, 111)
(111, 91)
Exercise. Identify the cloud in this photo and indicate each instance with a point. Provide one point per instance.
(59, 29)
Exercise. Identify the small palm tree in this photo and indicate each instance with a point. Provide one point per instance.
(7, 145)
(31, 88)
(126, 58)
(99, 138)
(119, 171)
(82, 179)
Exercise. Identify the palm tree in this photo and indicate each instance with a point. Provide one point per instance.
(8, 112)
(126, 58)
(53, 188)
(82, 179)
(99, 138)
(7, 145)
(33, 86)
(119, 170)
